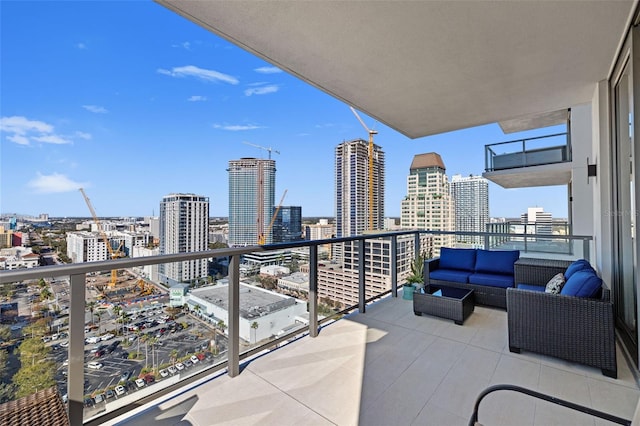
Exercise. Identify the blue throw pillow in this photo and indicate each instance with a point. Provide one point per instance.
(578, 265)
(461, 259)
(496, 261)
(582, 284)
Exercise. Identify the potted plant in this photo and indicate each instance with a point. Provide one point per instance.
(415, 281)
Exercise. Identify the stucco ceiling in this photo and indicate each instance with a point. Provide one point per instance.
(427, 67)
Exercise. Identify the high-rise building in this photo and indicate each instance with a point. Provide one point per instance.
(352, 188)
(184, 228)
(287, 225)
(537, 221)
(471, 207)
(428, 203)
(86, 246)
(252, 184)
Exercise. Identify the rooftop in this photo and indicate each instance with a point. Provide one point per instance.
(389, 366)
(253, 300)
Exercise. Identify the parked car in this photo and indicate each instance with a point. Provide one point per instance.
(188, 363)
(140, 383)
(172, 369)
(98, 398)
(99, 353)
(88, 402)
(180, 366)
(120, 390)
(194, 359)
(148, 378)
(95, 365)
(107, 336)
(125, 375)
(201, 356)
(92, 340)
(164, 373)
(110, 394)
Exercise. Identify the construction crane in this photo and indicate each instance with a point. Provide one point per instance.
(371, 133)
(262, 237)
(262, 147)
(113, 253)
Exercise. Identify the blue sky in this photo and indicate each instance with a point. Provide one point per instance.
(133, 102)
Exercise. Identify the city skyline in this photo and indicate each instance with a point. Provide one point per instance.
(102, 104)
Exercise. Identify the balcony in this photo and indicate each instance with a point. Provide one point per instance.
(390, 367)
(371, 363)
(539, 161)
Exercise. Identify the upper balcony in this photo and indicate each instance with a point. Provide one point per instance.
(538, 161)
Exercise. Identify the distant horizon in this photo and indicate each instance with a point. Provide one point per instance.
(5, 215)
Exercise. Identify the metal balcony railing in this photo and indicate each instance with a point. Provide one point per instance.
(549, 149)
(77, 276)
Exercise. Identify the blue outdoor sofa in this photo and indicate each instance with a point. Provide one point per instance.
(487, 272)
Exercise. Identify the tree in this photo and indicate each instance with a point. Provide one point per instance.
(254, 327)
(42, 283)
(7, 392)
(45, 294)
(32, 350)
(32, 378)
(99, 315)
(91, 306)
(5, 333)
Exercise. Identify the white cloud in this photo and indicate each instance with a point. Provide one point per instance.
(236, 127)
(197, 98)
(24, 131)
(22, 125)
(95, 108)
(54, 183)
(268, 70)
(262, 90)
(200, 73)
(185, 45)
(54, 139)
(83, 135)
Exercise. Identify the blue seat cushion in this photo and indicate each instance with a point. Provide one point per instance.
(578, 265)
(492, 280)
(531, 287)
(582, 284)
(450, 275)
(460, 259)
(496, 262)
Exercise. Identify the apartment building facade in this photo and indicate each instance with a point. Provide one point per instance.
(428, 203)
(184, 228)
(471, 207)
(252, 184)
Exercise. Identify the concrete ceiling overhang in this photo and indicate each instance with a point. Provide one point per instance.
(427, 67)
(526, 177)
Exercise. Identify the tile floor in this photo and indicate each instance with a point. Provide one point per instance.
(390, 367)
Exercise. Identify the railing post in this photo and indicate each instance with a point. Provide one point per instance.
(361, 276)
(586, 253)
(75, 383)
(233, 351)
(487, 244)
(313, 291)
(394, 266)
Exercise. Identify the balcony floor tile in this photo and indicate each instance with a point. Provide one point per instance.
(389, 366)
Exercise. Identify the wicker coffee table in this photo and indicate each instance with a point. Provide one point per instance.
(455, 303)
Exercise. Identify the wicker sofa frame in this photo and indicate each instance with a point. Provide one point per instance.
(575, 329)
(483, 295)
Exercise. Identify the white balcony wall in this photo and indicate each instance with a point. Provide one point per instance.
(601, 185)
(582, 189)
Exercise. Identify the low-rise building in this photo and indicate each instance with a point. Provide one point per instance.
(263, 313)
